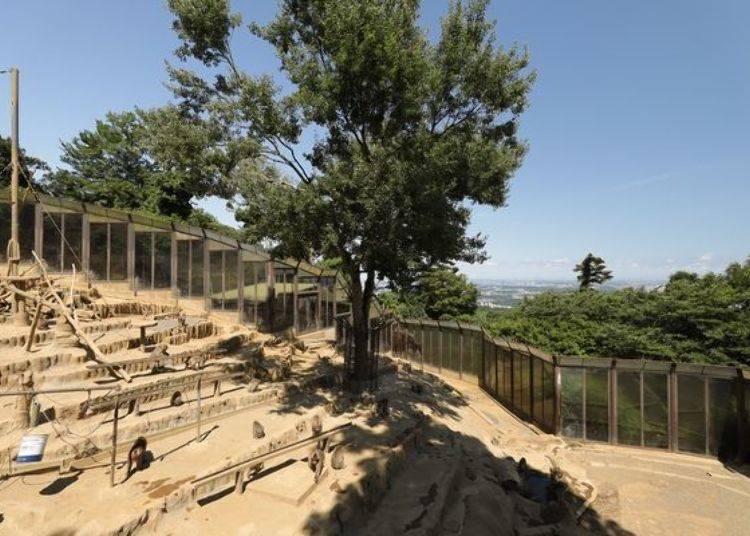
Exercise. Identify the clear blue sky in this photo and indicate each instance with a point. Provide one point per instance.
(639, 122)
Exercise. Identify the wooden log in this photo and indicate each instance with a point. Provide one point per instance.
(85, 339)
(34, 324)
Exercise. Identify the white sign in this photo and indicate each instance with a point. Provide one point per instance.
(32, 448)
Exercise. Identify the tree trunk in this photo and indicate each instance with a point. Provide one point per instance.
(361, 299)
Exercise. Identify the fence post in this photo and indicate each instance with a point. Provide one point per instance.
(557, 371)
(743, 426)
(460, 350)
(114, 443)
(198, 409)
(613, 401)
(421, 350)
(440, 347)
(672, 406)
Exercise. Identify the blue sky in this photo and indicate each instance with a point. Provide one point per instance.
(638, 126)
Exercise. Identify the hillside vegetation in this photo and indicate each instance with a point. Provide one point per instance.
(691, 318)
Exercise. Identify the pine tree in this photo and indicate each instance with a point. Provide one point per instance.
(593, 271)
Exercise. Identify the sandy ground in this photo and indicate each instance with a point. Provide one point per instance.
(449, 485)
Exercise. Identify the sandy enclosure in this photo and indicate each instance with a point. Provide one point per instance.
(270, 443)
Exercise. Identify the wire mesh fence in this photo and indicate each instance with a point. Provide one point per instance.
(682, 407)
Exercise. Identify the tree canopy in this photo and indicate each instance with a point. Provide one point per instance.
(408, 132)
(703, 319)
(440, 292)
(155, 160)
(30, 165)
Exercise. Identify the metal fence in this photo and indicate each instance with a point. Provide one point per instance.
(164, 260)
(681, 407)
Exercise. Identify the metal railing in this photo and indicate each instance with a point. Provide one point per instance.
(681, 407)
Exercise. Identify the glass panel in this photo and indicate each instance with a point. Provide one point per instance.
(162, 260)
(118, 255)
(183, 267)
(231, 287)
(143, 260)
(25, 233)
(597, 404)
(655, 410)
(629, 408)
(196, 275)
(98, 250)
(571, 409)
(26, 230)
(548, 371)
(508, 374)
(490, 354)
(538, 391)
(723, 438)
(73, 251)
(216, 267)
(526, 371)
(51, 252)
(4, 229)
(261, 295)
(691, 413)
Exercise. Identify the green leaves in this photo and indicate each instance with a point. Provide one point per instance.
(439, 292)
(156, 160)
(693, 319)
(29, 165)
(203, 27)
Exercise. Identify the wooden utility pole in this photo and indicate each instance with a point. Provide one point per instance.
(15, 165)
(14, 249)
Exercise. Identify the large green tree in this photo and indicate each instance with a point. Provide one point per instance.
(408, 132)
(156, 160)
(30, 165)
(440, 291)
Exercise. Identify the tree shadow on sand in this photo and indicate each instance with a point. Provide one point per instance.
(413, 471)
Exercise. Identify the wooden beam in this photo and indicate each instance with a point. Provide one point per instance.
(85, 339)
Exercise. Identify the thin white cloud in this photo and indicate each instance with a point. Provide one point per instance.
(661, 177)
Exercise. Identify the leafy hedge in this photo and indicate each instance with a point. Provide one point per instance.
(695, 319)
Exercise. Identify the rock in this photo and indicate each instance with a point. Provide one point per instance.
(258, 431)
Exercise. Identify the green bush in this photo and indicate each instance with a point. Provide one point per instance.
(691, 318)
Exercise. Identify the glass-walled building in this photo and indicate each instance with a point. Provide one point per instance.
(143, 257)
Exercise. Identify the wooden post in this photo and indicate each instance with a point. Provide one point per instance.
(34, 324)
(270, 296)
(295, 303)
(173, 266)
(114, 442)
(15, 167)
(207, 290)
(240, 288)
(198, 410)
(131, 256)
(86, 246)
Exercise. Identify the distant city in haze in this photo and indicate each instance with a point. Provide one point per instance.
(508, 293)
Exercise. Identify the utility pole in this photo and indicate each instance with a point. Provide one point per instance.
(14, 245)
